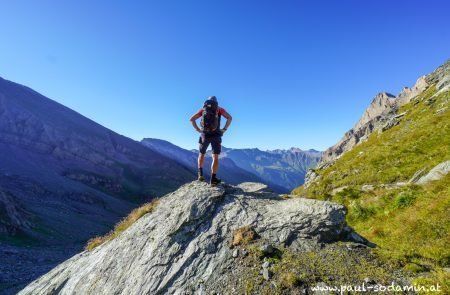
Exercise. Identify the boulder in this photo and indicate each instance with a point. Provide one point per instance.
(184, 244)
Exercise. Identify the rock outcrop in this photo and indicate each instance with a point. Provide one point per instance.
(379, 114)
(408, 94)
(438, 172)
(185, 245)
(13, 218)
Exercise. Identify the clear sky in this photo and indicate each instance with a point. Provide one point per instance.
(292, 73)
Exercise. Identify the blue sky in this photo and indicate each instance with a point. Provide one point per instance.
(292, 73)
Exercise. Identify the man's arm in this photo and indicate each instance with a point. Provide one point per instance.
(229, 119)
(194, 122)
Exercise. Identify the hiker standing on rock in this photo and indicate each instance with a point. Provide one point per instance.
(210, 133)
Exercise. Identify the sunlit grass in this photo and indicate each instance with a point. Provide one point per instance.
(122, 225)
(421, 140)
(410, 224)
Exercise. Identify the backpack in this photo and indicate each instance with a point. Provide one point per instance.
(210, 118)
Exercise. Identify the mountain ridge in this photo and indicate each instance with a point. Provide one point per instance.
(290, 164)
(229, 171)
(287, 168)
(381, 114)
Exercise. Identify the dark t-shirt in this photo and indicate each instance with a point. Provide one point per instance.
(217, 132)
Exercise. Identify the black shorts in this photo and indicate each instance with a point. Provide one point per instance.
(215, 141)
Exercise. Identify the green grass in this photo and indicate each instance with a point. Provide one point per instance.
(410, 224)
(294, 270)
(421, 140)
(311, 267)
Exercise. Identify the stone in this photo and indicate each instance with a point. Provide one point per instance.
(352, 246)
(266, 249)
(338, 190)
(417, 175)
(252, 187)
(167, 249)
(235, 253)
(390, 123)
(369, 281)
(267, 274)
(266, 264)
(367, 187)
(441, 111)
(311, 177)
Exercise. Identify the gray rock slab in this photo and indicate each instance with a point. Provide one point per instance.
(169, 250)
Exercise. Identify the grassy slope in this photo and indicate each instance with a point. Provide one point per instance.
(411, 224)
(421, 140)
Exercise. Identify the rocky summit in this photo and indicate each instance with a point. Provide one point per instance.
(190, 242)
(383, 114)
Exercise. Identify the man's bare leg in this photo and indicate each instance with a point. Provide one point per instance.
(200, 162)
(215, 163)
(214, 168)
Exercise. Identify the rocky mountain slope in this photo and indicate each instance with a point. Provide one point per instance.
(207, 240)
(63, 179)
(391, 171)
(286, 168)
(383, 114)
(229, 171)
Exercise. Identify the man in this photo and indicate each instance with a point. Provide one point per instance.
(210, 133)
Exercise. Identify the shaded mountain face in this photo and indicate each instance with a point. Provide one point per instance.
(286, 168)
(229, 171)
(65, 178)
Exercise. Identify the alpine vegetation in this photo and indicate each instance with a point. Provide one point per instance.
(391, 172)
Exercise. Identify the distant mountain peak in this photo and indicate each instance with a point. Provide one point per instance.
(281, 169)
(382, 110)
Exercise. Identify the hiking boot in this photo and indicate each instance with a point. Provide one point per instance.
(215, 181)
(201, 178)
